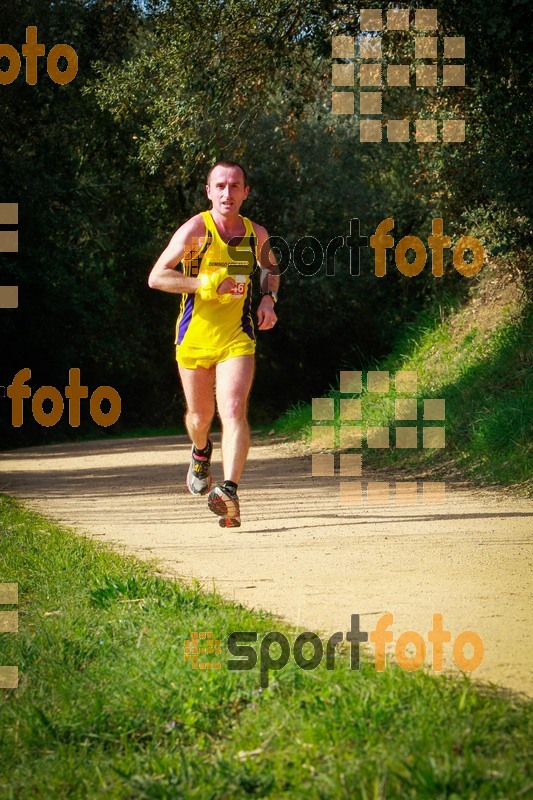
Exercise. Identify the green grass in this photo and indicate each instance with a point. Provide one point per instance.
(487, 383)
(107, 707)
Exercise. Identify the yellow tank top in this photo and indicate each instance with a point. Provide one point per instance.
(209, 324)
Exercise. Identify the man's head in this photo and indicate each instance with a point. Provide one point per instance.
(226, 163)
(227, 187)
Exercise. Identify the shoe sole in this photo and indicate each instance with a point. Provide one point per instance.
(229, 522)
(219, 507)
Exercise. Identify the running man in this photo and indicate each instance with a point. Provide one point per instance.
(215, 340)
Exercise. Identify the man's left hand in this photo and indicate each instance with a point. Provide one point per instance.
(266, 316)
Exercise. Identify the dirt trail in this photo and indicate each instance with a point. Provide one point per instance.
(300, 553)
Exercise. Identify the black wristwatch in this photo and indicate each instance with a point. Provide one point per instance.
(273, 295)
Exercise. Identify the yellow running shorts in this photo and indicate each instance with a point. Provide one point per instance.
(193, 357)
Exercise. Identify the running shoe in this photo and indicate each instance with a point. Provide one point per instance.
(199, 474)
(225, 503)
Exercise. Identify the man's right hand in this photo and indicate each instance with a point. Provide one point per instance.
(226, 286)
(216, 285)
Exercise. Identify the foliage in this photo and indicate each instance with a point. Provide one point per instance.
(109, 165)
(485, 378)
(207, 72)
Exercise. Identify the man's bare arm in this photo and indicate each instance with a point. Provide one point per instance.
(164, 275)
(269, 280)
(266, 316)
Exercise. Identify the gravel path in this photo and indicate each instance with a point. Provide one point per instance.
(300, 552)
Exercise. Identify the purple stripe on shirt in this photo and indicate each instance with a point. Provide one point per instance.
(186, 317)
(192, 269)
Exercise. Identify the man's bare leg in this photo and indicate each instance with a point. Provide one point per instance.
(198, 387)
(234, 379)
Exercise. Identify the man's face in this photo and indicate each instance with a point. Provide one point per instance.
(226, 190)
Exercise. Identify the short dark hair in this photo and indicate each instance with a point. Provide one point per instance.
(226, 163)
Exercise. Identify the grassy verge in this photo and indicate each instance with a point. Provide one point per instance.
(485, 376)
(107, 707)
